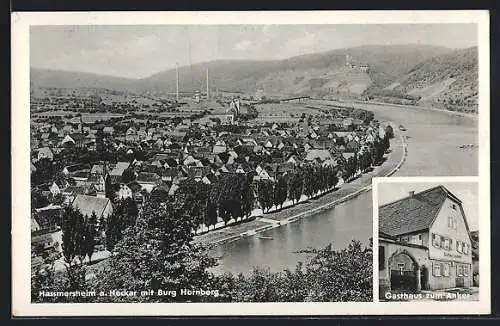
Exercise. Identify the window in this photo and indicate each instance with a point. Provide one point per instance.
(459, 246)
(452, 222)
(381, 258)
(459, 270)
(446, 245)
(446, 269)
(436, 240)
(466, 270)
(436, 269)
(464, 248)
(415, 239)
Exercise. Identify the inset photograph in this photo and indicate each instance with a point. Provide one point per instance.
(428, 240)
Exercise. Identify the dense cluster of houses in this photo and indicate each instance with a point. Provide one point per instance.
(202, 150)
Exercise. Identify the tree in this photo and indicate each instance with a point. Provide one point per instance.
(246, 195)
(158, 253)
(38, 200)
(46, 278)
(109, 189)
(313, 281)
(295, 186)
(89, 235)
(72, 234)
(195, 196)
(211, 214)
(128, 175)
(265, 194)
(158, 195)
(73, 241)
(124, 215)
(308, 181)
(389, 131)
(280, 191)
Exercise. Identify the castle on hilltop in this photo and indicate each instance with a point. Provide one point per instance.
(354, 66)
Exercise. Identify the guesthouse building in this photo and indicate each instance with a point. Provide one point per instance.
(424, 243)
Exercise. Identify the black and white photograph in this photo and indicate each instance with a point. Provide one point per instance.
(176, 161)
(428, 241)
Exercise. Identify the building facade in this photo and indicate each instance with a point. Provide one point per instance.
(424, 243)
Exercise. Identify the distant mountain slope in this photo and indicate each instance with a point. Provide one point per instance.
(73, 79)
(318, 73)
(301, 74)
(448, 79)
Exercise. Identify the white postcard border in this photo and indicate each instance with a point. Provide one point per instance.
(21, 280)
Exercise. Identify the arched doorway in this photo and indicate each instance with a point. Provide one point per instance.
(424, 277)
(403, 272)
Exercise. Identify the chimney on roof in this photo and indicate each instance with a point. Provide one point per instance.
(412, 193)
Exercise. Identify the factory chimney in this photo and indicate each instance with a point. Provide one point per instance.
(208, 91)
(177, 81)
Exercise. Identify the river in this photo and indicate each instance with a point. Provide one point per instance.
(433, 149)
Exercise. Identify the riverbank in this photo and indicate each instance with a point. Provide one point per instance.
(462, 114)
(347, 191)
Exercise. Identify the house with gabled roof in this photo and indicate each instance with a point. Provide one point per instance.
(102, 207)
(210, 178)
(98, 169)
(321, 154)
(424, 242)
(148, 180)
(119, 168)
(45, 152)
(58, 187)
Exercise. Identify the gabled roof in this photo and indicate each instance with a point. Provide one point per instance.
(413, 213)
(97, 169)
(146, 177)
(46, 151)
(322, 154)
(119, 168)
(88, 204)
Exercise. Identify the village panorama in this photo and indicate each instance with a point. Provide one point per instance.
(171, 192)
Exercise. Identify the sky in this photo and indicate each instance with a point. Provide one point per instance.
(138, 51)
(465, 191)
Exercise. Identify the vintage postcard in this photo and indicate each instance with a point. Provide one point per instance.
(221, 163)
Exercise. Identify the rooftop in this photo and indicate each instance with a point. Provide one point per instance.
(413, 213)
(88, 204)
